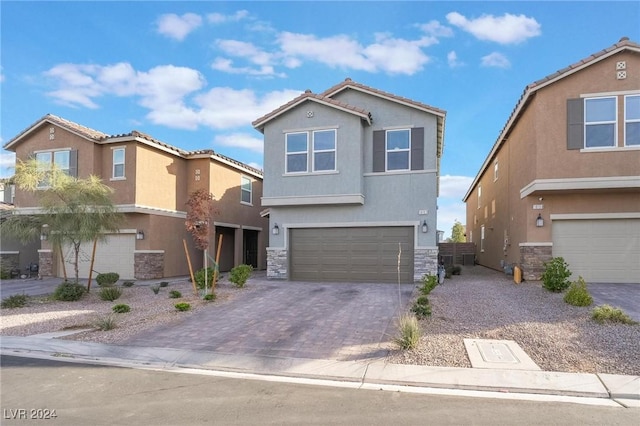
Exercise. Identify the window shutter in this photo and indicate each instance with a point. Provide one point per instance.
(73, 163)
(575, 123)
(417, 148)
(379, 150)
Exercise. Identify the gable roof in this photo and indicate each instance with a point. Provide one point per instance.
(308, 96)
(529, 92)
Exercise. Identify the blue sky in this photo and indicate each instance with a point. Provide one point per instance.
(196, 74)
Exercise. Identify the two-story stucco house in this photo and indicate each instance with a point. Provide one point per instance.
(350, 183)
(152, 182)
(563, 178)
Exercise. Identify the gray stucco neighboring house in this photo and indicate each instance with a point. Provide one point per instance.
(350, 186)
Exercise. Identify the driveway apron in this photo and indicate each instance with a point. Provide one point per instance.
(340, 321)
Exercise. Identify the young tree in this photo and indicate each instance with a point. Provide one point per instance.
(457, 233)
(200, 210)
(75, 210)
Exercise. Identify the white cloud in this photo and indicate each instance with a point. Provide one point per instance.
(7, 164)
(219, 18)
(505, 29)
(452, 60)
(495, 59)
(436, 29)
(240, 140)
(454, 186)
(178, 27)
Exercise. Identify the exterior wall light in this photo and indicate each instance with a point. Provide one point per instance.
(425, 228)
(44, 233)
(276, 229)
(140, 235)
(539, 221)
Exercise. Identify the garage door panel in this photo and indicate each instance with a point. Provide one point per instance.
(114, 254)
(603, 250)
(351, 254)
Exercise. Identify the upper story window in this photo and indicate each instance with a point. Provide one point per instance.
(63, 160)
(495, 171)
(118, 163)
(600, 122)
(479, 196)
(324, 150)
(297, 148)
(632, 120)
(246, 190)
(398, 148)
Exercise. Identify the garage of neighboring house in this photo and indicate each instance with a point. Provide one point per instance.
(114, 254)
(599, 250)
(359, 254)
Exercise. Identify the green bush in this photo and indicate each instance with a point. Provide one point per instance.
(105, 323)
(608, 313)
(68, 291)
(456, 270)
(175, 294)
(121, 308)
(164, 283)
(408, 332)
(240, 274)
(107, 279)
(556, 275)
(577, 294)
(128, 284)
(421, 307)
(429, 282)
(5, 274)
(110, 293)
(209, 297)
(199, 277)
(182, 306)
(155, 288)
(15, 301)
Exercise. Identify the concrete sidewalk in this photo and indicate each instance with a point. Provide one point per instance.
(616, 390)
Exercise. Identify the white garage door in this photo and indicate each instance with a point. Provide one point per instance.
(599, 250)
(115, 254)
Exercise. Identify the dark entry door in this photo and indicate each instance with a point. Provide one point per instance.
(251, 248)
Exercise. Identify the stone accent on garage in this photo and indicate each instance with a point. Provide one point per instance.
(532, 259)
(149, 264)
(277, 264)
(425, 261)
(45, 261)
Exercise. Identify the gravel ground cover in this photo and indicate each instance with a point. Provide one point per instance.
(484, 304)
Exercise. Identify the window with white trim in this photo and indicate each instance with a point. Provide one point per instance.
(61, 160)
(632, 120)
(246, 190)
(297, 152)
(482, 238)
(324, 150)
(600, 122)
(118, 163)
(398, 149)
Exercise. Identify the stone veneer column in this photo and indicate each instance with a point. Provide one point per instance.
(425, 261)
(148, 264)
(45, 261)
(532, 259)
(277, 264)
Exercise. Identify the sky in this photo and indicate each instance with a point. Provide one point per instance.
(195, 74)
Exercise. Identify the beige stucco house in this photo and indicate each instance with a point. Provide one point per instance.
(152, 182)
(563, 178)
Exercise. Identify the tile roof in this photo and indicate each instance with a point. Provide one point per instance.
(530, 90)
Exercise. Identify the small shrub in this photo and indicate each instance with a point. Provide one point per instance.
(107, 279)
(68, 291)
(121, 308)
(182, 306)
(155, 288)
(448, 271)
(240, 274)
(421, 308)
(175, 294)
(15, 301)
(209, 297)
(5, 274)
(128, 284)
(408, 332)
(556, 275)
(429, 282)
(456, 270)
(164, 284)
(608, 313)
(110, 293)
(577, 294)
(105, 323)
(199, 277)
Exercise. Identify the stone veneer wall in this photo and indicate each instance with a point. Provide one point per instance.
(148, 265)
(532, 259)
(277, 264)
(425, 261)
(45, 260)
(10, 260)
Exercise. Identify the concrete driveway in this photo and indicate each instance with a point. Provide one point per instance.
(336, 321)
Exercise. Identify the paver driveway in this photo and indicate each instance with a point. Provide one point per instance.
(339, 321)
